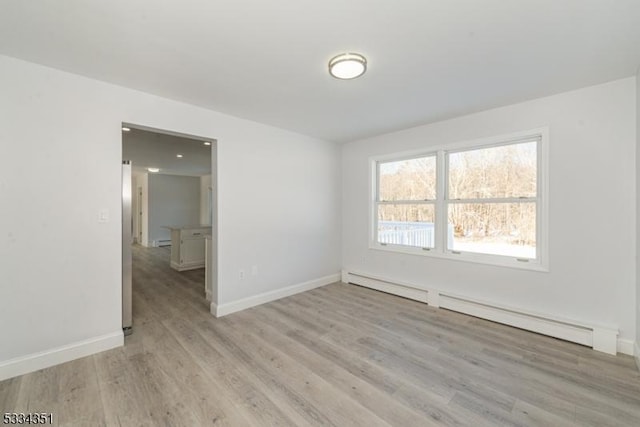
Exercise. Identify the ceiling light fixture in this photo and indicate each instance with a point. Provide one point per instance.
(125, 129)
(347, 66)
(179, 156)
(154, 170)
(207, 143)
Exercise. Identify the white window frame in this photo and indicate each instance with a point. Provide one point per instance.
(378, 202)
(540, 263)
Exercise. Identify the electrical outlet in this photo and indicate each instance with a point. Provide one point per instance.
(254, 270)
(241, 274)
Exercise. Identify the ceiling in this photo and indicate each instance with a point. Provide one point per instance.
(147, 149)
(267, 61)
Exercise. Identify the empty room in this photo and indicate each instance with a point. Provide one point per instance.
(344, 213)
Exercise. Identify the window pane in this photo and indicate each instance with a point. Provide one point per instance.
(406, 224)
(496, 172)
(413, 179)
(494, 228)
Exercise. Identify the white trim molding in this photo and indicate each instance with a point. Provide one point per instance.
(44, 359)
(603, 338)
(213, 308)
(219, 310)
(636, 353)
(626, 346)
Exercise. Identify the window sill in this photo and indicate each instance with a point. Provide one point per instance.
(492, 260)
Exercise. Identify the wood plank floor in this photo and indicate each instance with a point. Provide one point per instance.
(340, 355)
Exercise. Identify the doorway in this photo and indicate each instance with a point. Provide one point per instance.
(171, 227)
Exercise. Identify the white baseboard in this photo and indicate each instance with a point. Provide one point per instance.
(220, 310)
(602, 338)
(187, 266)
(44, 359)
(213, 308)
(626, 346)
(636, 353)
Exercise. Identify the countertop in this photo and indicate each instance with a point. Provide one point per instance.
(185, 227)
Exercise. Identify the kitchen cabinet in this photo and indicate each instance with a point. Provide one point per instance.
(188, 247)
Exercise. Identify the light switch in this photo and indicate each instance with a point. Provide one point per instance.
(103, 215)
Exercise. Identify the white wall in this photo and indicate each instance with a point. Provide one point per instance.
(205, 200)
(60, 277)
(173, 201)
(592, 208)
(279, 210)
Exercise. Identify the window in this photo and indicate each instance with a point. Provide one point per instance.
(480, 202)
(406, 202)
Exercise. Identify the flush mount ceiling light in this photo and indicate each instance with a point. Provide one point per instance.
(347, 66)
(154, 170)
(207, 143)
(125, 129)
(179, 156)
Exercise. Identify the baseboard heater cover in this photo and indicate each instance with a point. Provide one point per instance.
(599, 337)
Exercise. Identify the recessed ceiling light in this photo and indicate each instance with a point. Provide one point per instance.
(154, 170)
(207, 143)
(179, 156)
(347, 66)
(125, 129)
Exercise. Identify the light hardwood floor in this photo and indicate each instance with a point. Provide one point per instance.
(340, 355)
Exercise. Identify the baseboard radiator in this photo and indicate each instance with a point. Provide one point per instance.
(163, 243)
(602, 338)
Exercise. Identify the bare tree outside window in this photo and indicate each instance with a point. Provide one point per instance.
(406, 209)
(490, 200)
